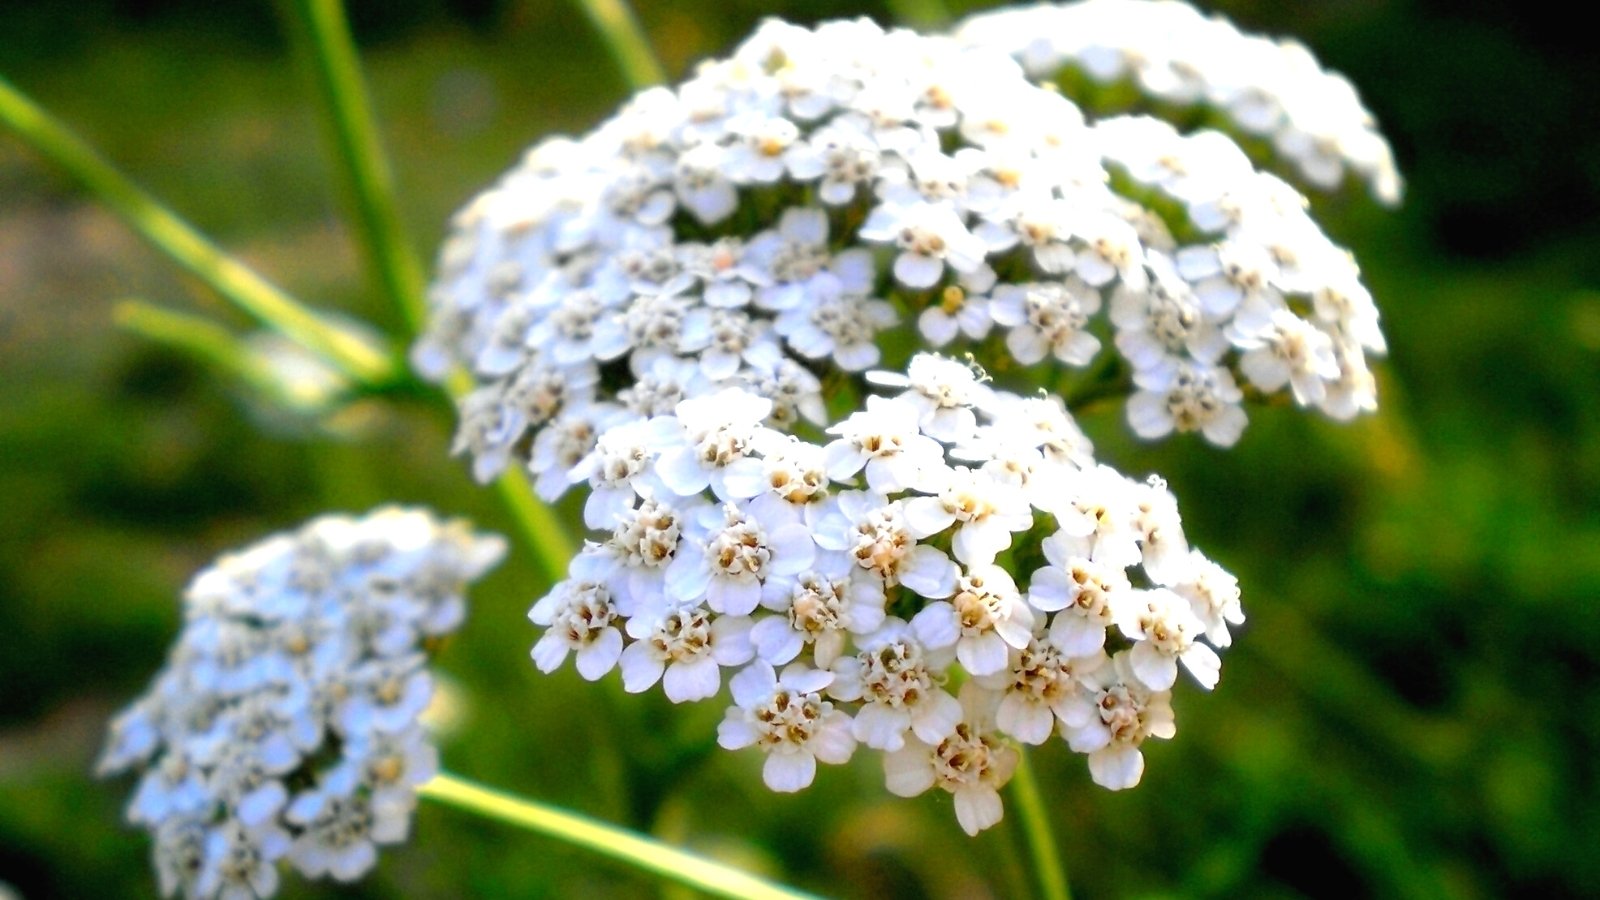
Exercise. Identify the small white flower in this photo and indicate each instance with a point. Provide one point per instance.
(886, 440)
(929, 235)
(1227, 274)
(985, 512)
(972, 764)
(738, 556)
(1187, 397)
(1165, 631)
(957, 314)
(684, 647)
(1082, 594)
(875, 533)
(820, 607)
(241, 864)
(943, 391)
(1047, 320)
(719, 432)
(837, 325)
(702, 183)
(899, 683)
(796, 393)
(1289, 351)
(727, 269)
(580, 618)
(985, 617)
(1041, 686)
(620, 469)
(389, 695)
(340, 829)
(1122, 713)
(758, 157)
(1095, 509)
(1163, 549)
(788, 719)
(1213, 595)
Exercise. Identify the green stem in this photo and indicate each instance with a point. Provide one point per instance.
(606, 839)
(1042, 844)
(619, 28)
(542, 531)
(920, 13)
(193, 335)
(185, 246)
(322, 33)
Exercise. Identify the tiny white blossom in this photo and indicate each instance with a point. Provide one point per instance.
(1165, 632)
(1122, 713)
(972, 764)
(986, 616)
(789, 720)
(685, 648)
(581, 618)
(898, 682)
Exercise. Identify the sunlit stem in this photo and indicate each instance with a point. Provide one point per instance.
(608, 840)
(620, 30)
(214, 345)
(920, 13)
(184, 245)
(1042, 846)
(193, 336)
(322, 34)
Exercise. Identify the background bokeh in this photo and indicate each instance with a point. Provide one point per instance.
(1411, 711)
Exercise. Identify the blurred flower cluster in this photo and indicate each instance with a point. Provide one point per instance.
(285, 724)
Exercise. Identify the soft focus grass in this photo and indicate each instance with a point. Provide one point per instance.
(1411, 710)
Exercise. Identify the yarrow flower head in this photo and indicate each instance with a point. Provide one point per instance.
(285, 726)
(707, 313)
(872, 599)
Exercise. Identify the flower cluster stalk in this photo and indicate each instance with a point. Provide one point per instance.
(608, 840)
(625, 39)
(1042, 846)
(322, 33)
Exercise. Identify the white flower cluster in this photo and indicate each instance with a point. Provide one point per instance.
(768, 221)
(952, 532)
(675, 310)
(285, 724)
(1172, 52)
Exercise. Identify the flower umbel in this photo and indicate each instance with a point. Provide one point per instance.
(708, 311)
(285, 725)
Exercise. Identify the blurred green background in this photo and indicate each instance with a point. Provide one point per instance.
(1411, 711)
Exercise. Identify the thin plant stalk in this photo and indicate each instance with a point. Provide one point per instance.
(1035, 818)
(608, 840)
(329, 48)
(179, 241)
(322, 33)
(619, 28)
(541, 531)
(195, 336)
